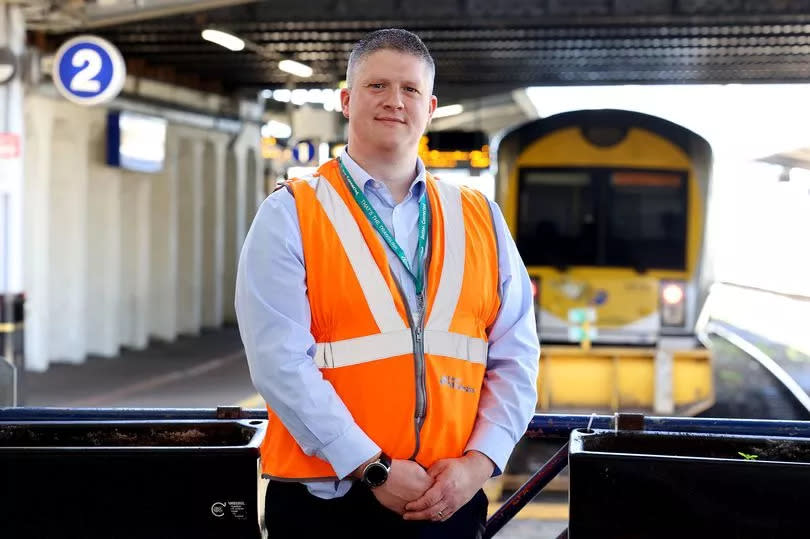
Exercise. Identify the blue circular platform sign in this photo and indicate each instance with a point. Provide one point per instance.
(89, 70)
(303, 152)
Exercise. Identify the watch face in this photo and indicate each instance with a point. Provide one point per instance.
(376, 474)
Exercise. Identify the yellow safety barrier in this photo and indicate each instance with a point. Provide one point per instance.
(10, 327)
(602, 379)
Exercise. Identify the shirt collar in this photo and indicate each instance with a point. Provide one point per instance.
(364, 178)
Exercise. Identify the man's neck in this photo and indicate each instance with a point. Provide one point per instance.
(397, 172)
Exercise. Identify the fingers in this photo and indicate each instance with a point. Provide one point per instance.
(431, 497)
(442, 514)
(436, 512)
(437, 468)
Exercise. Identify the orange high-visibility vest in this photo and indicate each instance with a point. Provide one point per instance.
(413, 390)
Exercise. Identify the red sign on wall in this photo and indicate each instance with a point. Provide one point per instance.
(9, 145)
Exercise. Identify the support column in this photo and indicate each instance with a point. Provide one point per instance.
(12, 35)
(213, 232)
(68, 236)
(39, 115)
(253, 188)
(164, 219)
(135, 259)
(189, 289)
(241, 199)
(231, 242)
(104, 246)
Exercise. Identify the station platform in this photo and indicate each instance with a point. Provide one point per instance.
(194, 371)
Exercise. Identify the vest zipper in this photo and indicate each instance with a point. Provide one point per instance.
(418, 336)
(419, 359)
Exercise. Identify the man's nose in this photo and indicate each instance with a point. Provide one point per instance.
(393, 99)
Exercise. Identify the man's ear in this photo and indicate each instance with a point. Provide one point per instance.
(431, 110)
(344, 102)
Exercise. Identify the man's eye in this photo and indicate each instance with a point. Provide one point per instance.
(411, 89)
(376, 85)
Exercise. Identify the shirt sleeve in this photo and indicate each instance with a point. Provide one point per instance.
(274, 318)
(509, 392)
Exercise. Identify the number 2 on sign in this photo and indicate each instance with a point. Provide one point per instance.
(83, 80)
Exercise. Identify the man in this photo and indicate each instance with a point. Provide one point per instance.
(388, 323)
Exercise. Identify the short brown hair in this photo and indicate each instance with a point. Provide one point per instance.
(395, 39)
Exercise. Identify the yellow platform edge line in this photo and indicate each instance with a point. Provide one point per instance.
(255, 401)
(537, 511)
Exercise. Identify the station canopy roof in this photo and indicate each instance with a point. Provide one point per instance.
(482, 47)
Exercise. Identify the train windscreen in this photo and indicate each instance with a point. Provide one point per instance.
(601, 217)
(557, 222)
(647, 220)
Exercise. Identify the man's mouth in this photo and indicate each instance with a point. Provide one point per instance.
(387, 119)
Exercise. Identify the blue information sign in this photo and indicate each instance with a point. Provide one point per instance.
(88, 70)
(303, 152)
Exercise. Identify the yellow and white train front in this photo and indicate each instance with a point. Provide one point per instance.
(608, 212)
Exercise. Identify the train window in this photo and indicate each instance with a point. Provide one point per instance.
(647, 214)
(602, 217)
(557, 218)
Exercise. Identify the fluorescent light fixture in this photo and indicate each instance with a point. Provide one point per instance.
(448, 110)
(282, 95)
(295, 68)
(328, 97)
(299, 96)
(267, 94)
(276, 129)
(229, 41)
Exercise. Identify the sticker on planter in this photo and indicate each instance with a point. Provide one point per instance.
(238, 510)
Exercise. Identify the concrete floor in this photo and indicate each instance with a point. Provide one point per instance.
(204, 371)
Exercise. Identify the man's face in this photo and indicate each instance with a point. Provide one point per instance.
(390, 102)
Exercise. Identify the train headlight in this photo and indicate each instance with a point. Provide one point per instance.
(535, 284)
(535, 289)
(673, 304)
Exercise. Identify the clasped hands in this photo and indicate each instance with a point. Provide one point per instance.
(436, 493)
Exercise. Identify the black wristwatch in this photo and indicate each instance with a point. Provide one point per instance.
(376, 473)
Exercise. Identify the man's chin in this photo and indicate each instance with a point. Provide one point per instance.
(390, 144)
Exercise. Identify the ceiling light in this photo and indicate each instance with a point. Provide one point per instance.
(295, 68)
(299, 96)
(282, 95)
(276, 129)
(449, 110)
(229, 41)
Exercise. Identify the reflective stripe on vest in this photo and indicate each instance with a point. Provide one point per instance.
(368, 274)
(453, 268)
(330, 355)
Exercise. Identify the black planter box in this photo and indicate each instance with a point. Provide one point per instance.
(133, 479)
(631, 485)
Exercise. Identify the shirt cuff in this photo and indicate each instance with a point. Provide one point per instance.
(493, 441)
(348, 451)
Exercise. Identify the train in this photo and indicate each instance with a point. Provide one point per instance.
(609, 211)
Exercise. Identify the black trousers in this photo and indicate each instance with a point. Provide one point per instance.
(292, 512)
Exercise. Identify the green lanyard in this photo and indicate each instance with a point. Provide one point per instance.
(377, 222)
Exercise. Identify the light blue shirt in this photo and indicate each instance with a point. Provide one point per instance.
(274, 321)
